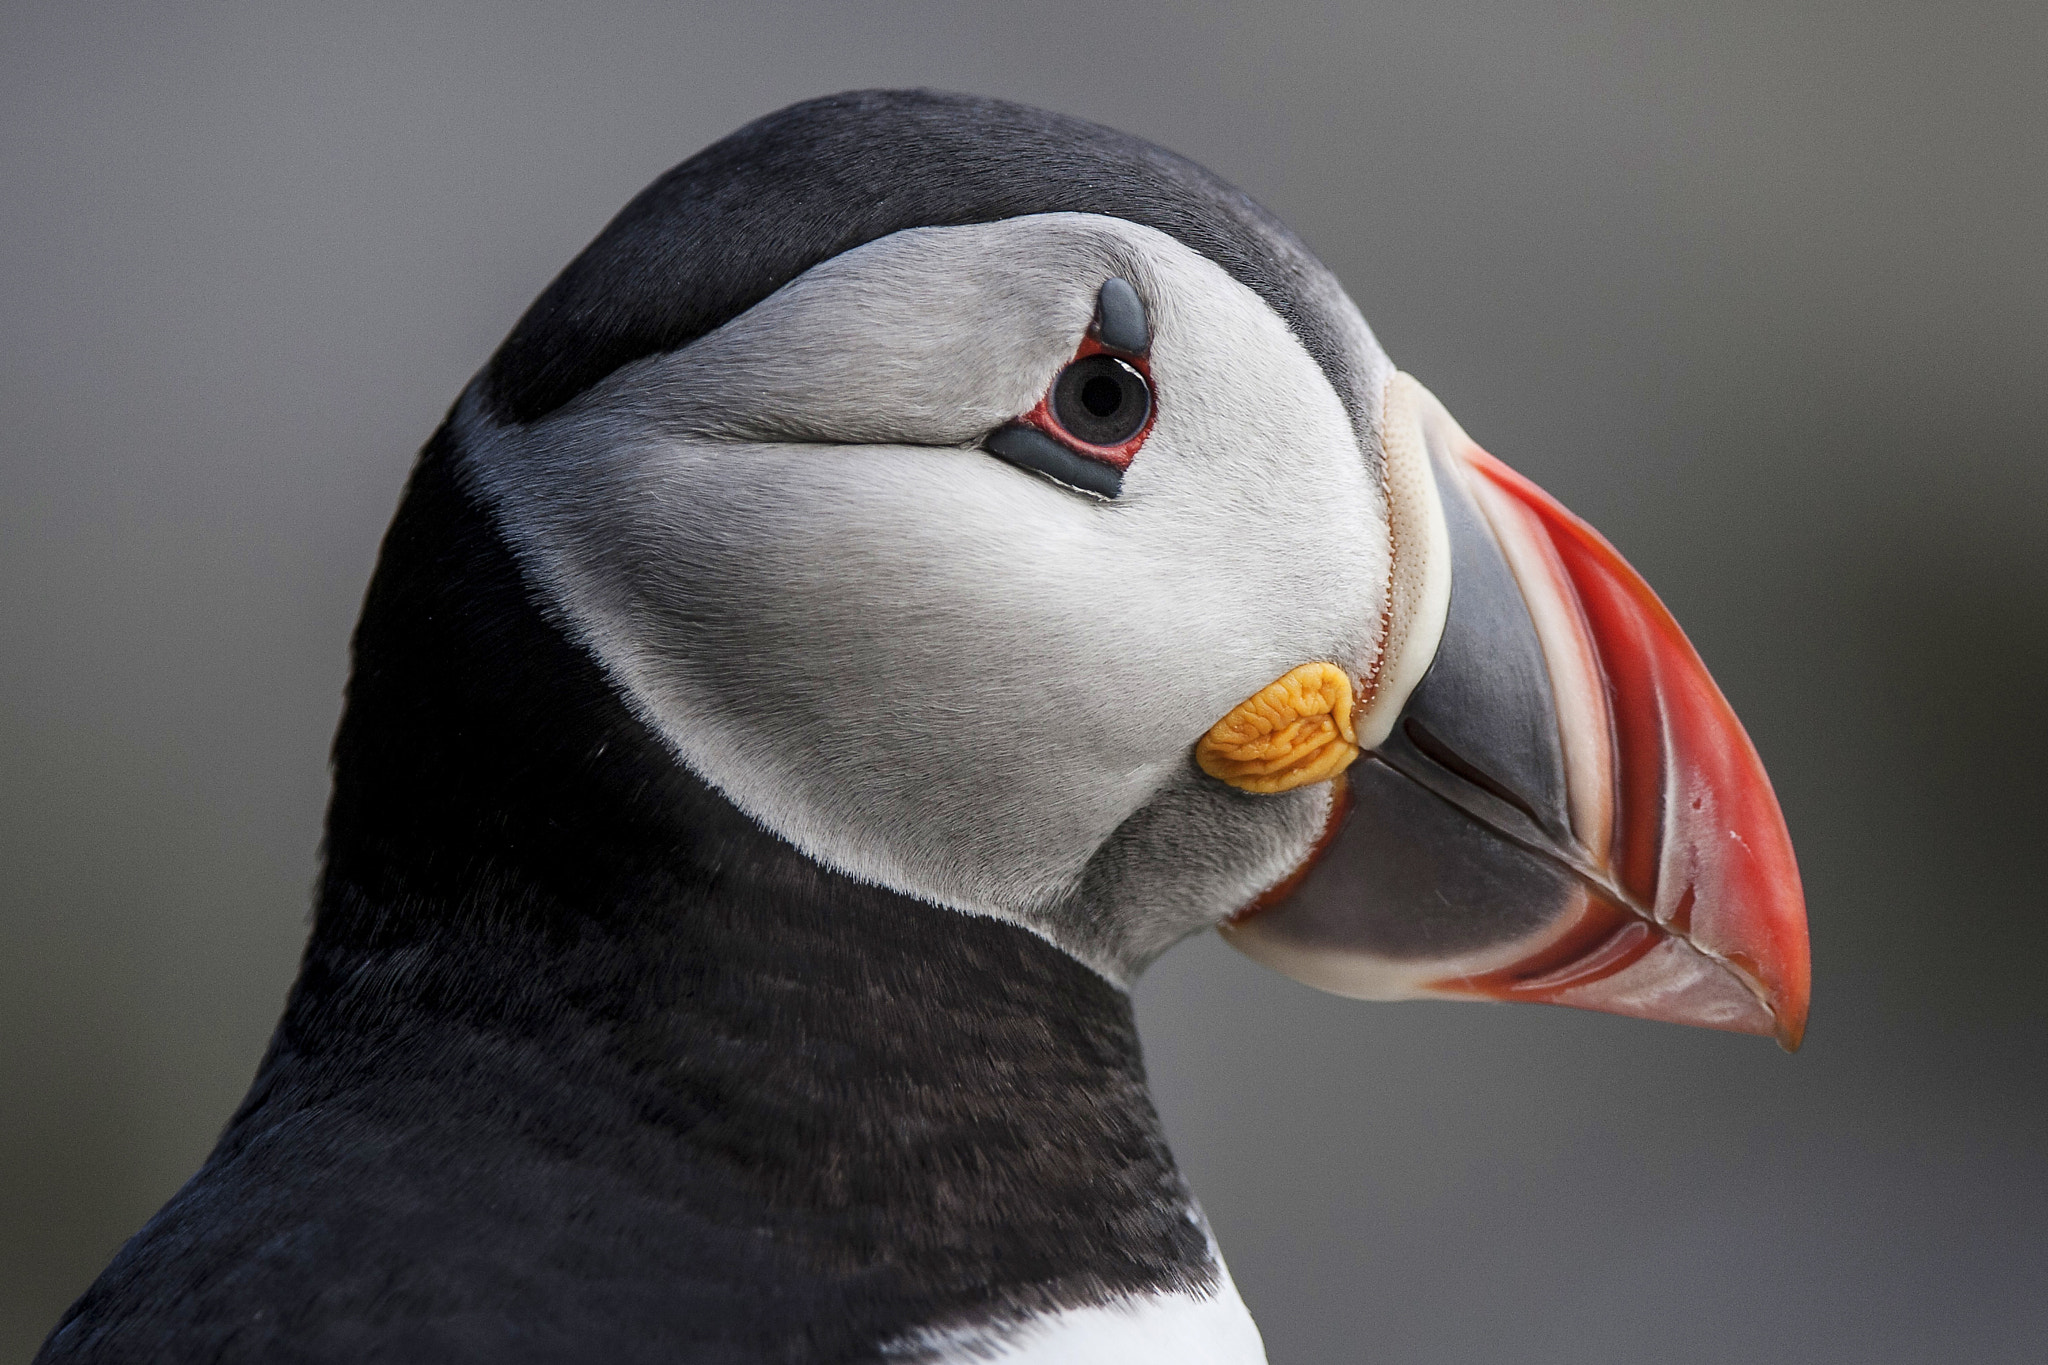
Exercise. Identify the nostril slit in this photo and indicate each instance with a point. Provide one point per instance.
(1444, 756)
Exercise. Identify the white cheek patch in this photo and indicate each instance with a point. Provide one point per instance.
(922, 666)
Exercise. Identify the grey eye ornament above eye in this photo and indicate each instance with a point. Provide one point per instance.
(1084, 433)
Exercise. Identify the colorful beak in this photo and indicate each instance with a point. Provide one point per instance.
(1555, 802)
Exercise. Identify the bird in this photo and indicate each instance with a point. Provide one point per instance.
(926, 557)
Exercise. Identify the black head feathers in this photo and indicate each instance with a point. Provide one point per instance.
(736, 222)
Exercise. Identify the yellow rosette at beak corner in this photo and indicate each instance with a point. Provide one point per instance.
(1293, 731)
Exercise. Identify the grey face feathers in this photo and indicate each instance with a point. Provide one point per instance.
(848, 615)
(1035, 663)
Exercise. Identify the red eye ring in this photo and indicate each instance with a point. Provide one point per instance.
(1118, 455)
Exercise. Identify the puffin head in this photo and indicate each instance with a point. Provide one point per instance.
(1006, 512)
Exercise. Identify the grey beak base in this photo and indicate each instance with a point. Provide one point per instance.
(1458, 836)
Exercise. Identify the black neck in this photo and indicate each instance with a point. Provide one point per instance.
(538, 934)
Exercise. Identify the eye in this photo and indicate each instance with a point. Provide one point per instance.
(1101, 401)
(1084, 433)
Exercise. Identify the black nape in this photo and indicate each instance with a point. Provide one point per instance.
(583, 1063)
(748, 214)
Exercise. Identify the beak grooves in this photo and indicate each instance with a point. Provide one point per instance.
(1698, 845)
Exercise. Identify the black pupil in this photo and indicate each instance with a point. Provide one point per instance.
(1101, 394)
(1101, 401)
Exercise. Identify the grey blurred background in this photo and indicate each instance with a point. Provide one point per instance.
(1759, 288)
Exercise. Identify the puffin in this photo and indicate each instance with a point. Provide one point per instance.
(926, 557)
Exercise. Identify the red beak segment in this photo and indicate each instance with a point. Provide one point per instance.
(1697, 845)
(1555, 804)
